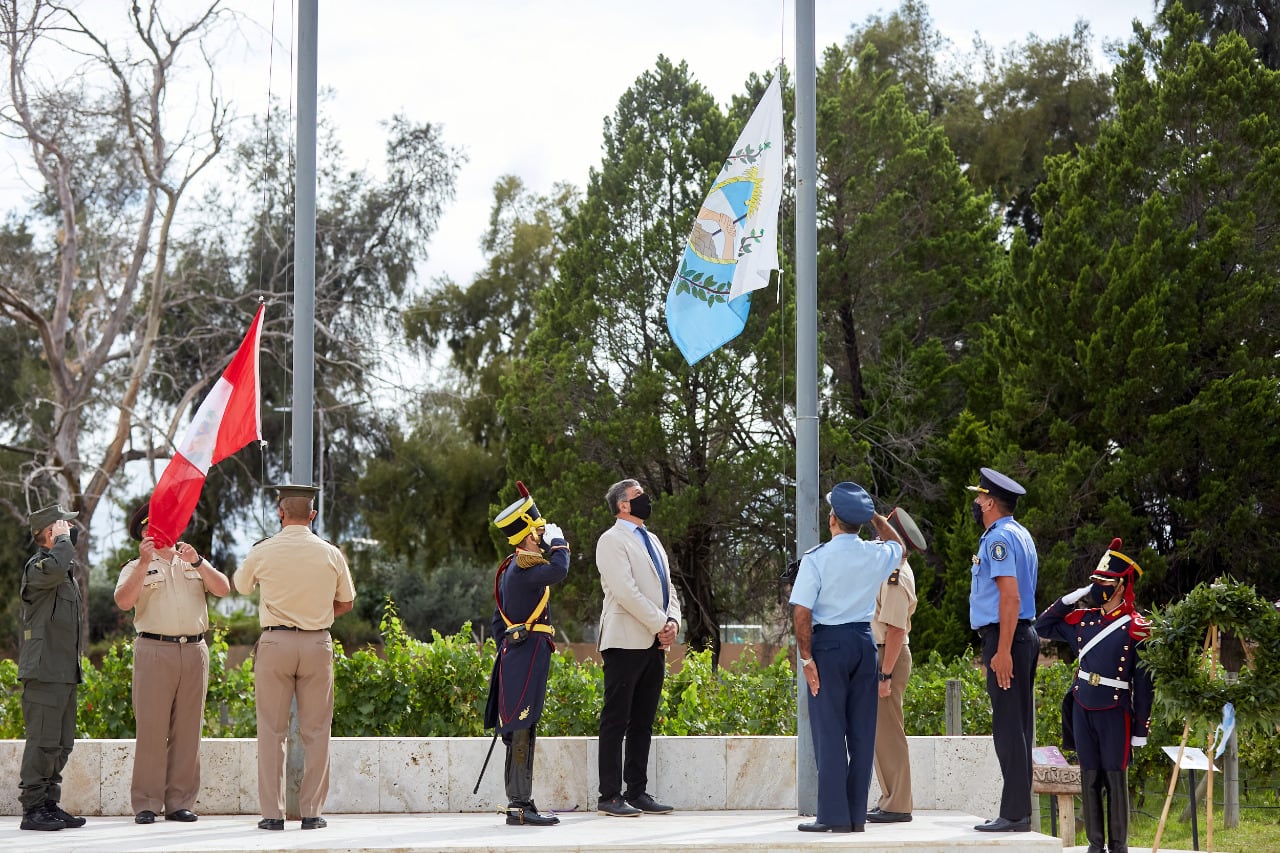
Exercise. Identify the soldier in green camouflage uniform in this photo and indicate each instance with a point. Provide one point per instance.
(49, 668)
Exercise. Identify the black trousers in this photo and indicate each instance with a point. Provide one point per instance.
(632, 691)
(1013, 718)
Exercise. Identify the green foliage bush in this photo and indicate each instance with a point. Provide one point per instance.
(412, 688)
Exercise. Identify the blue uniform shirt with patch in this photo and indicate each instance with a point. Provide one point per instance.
(1005, 550)
(839, 581)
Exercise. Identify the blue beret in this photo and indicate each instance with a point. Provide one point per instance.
(851, 503)
(998, 485)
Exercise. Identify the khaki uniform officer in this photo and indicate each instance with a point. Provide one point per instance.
(304, 585)
(165, 588)
(890, 627)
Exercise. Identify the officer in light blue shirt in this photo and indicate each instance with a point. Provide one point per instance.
(834, 599)
(1002, 609)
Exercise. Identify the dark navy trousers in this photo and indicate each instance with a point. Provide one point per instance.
(842, 718)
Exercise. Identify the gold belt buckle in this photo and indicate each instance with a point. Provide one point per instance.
(1094, 679)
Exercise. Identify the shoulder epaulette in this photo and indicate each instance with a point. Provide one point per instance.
(893, 578)
(1139, 627)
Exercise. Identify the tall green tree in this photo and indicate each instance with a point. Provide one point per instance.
(1257, 21)
(906, 248)
(1135, 361)
(603, 394)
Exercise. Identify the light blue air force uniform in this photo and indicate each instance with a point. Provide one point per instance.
(839, 582)
(1005, 550)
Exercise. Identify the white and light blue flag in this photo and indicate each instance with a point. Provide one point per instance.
(733, 245)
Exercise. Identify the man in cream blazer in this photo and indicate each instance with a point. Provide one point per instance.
(639, 622)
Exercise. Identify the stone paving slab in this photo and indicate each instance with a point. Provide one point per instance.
(704, 832)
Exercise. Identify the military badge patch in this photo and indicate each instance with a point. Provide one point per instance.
(998, 551)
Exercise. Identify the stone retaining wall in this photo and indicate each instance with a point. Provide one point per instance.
(418, 775)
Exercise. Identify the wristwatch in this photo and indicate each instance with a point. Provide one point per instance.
(886, 676)
(805, 662)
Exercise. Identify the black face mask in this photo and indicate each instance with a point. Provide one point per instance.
(1099, 593)
(977, 515)
(641, 508)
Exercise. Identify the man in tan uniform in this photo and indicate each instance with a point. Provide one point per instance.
(304, 585)
(165, 588)
(891, 626)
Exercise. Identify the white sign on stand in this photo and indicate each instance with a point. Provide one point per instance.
(1193, 758)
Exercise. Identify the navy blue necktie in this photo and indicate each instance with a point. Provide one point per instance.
(657, 564)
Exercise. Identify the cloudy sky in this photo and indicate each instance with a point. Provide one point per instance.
(523, 86)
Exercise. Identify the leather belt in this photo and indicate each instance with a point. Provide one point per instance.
(1094, 679)
(282, 628)
(995, 626)
(167, 638)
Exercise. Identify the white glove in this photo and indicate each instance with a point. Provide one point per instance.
(552, 532)
(1137, 741)
(1073, 597)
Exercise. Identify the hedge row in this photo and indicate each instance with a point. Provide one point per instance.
(438, 688)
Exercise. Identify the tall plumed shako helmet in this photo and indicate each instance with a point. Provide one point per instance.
(521, 518)
(1115, 566)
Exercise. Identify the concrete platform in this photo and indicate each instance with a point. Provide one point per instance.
(705, 832)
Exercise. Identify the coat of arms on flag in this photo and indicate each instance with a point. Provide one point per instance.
(733, 244)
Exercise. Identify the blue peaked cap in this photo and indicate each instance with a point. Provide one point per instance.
(998, 485)
(851, 503)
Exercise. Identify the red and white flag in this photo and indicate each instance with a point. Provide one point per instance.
(227, 420)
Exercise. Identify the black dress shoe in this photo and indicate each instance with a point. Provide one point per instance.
(824, 827)
(647, 804)
(145, 816)
(314, 823)
(69, 820)
(878, 816)
(617, 807)
(184, 815)
(274, 823)
(1003, 824)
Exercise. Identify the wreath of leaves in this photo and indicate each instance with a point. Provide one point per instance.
(1175, 655)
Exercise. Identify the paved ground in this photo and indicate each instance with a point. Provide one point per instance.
(705, 832)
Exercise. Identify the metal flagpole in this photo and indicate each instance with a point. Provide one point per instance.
(304, 248)
(304, 318)
(806, 360)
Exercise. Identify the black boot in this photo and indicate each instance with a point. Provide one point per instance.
(1118, 811)
(1091, 783)
(520, 808)
(38, 817)
(71, 821)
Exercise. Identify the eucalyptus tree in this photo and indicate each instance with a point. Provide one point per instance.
(1135, 354)
(91, 286)
(371, 230)
(602, 393)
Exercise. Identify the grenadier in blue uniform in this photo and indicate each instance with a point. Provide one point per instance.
(834, 599)
(522, 628)
(1112, 694)
(1002, 608)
